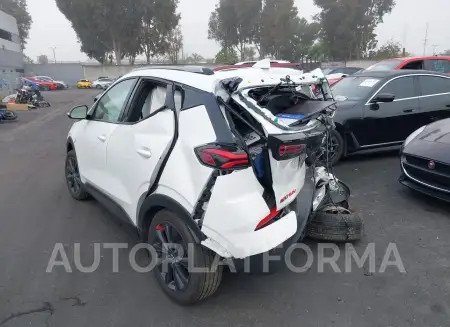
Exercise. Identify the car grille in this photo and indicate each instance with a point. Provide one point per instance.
(417, 168)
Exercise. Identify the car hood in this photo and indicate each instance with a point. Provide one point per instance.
(345, 104)
(432, 143)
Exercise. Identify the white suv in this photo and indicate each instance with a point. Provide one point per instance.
(201, 158)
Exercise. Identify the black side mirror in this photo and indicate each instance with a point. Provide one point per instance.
(78, 112)
(383, 97)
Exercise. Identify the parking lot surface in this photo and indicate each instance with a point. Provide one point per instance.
(37, 212)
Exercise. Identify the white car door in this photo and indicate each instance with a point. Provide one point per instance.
(92, 140)
(136, 149)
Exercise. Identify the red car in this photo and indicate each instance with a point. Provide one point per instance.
(43, 85)
(434, 63)
(251, 63)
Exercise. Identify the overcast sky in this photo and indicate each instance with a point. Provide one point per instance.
(406, 24)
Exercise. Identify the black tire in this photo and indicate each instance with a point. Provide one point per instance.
(342, 226)
(73, 180)
(9, 115)
(98, 86)
(46, 88)
(336, 146)
(199, 285)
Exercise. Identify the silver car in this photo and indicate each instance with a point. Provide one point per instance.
(102, 83)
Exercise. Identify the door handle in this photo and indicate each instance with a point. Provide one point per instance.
(408, 110)
(144, 152)
(102, 138)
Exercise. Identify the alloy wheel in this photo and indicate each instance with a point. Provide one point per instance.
(332, 147)
(172, 258)
(73, 175)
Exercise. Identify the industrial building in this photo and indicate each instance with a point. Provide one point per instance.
(11, 57)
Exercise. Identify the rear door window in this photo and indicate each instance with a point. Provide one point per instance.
(439, 65)
(434, 85)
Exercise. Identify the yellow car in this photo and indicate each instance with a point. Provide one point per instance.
(84, 84)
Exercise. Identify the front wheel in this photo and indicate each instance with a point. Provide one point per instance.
(177, 253)
(73, 179)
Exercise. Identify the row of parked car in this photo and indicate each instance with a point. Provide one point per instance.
(101, 83)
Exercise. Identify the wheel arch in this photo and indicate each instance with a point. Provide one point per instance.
(69, 145)
(149, 206)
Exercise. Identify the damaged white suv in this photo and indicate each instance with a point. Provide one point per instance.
(192, 157)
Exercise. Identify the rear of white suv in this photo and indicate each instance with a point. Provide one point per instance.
(161, 149)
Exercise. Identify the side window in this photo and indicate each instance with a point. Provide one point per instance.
(434, 85)
(440, 65)
(402, 88)
(150, 97)
(156, 98)
(110, 105)
(414, 65)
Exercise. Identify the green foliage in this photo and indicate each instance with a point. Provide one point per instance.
(194, 58)
(27, 59)
(19, 10)
(226, 56)
(159, 21)
(43, 59)
(175, 44)
(388, 50)
(249, 54)
(348, 26)
(122, 27)
(233, 23)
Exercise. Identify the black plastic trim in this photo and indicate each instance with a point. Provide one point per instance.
(156, 202)
(199, 213)
(112, 206)
(154, 185)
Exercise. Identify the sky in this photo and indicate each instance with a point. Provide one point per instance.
(406, 24)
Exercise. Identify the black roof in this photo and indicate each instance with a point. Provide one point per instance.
(394, 73)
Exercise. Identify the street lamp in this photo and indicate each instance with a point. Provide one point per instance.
(54, 53)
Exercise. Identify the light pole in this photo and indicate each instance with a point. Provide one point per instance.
(54, 53)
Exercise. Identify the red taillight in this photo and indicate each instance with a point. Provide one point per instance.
(218, 156)
(272, 215)
(290, 150)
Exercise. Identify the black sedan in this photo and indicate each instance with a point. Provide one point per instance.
(380, 109)
(425, 160)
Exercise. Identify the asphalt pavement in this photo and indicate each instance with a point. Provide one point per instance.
(37, 212)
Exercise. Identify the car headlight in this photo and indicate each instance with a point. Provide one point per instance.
(413, 135)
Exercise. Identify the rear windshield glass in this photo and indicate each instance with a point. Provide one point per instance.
(385, 65)
(354, 88)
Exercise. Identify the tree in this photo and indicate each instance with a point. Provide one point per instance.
(388, 50)
(175, 44)
(446, 53)
(158, 21)
(27, 59)
(112, 22)
(249, 54)
(348, 26)
(43, 59)
(232, 23)
(19, 10)
(194, 58)
(280, 29)
(226, 56)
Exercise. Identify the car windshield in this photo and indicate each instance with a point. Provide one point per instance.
(385, 65)
(326, 71)
(353, 88)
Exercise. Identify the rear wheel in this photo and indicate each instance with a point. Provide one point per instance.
(177, 251)
(73, 179)
(46, 88)
(98, 86)
(9, 115)
(335, 147)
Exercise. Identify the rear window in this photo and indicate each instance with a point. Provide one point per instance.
(384, 65)
(354, 88)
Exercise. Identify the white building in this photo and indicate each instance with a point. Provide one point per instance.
(11, 57)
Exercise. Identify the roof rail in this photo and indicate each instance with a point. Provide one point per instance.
(190, 69)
